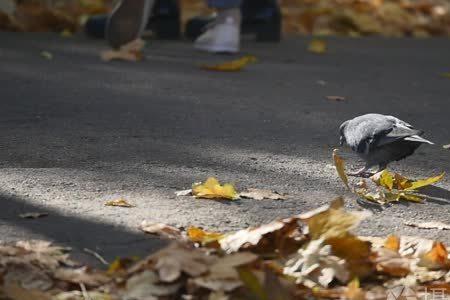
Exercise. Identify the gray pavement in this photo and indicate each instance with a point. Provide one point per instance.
(76, 132)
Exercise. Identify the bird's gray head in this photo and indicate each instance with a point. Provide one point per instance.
(341, 133)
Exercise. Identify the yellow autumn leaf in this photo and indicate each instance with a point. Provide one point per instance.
(212, 189)
(204, 237)
(317, 46)
(392, 242)
(231, 66)
(387, 180)
(118, 202)
(340, 167)
(425, 182)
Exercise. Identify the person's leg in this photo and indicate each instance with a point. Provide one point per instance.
(222, 35)
(127, 21)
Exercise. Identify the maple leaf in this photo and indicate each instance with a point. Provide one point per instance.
(212, 189)
(436, 258)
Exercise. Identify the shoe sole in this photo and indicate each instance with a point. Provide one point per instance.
(127, 21)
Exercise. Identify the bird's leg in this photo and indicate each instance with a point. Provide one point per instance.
(363, 172)
(381, 167)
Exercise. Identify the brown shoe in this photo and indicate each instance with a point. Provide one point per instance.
(127, 21)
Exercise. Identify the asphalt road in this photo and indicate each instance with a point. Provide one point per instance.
(76, 131)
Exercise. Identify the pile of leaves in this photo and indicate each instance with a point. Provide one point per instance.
(313, 255)
(392, 18)
(420, 18)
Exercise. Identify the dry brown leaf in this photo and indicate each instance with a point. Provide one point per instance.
(355, 252)
(392, 263)
(145, 285)
(317, 46)
(282, 236)
(177, 259)
(161, 229)
(340, 167)
(259, 194)
(33, 215)
(429, 225)
(129, 52)
(231, 66)
(436, 258)
(212, 189)
(222, 275)
(336, 98)
(118, 202)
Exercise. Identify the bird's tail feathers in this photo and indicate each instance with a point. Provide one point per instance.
(416, 138)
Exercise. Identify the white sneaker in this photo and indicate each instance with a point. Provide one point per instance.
(222, 36)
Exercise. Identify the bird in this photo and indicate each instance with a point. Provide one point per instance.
(379, 140)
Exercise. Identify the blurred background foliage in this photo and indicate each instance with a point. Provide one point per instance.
(392, 18)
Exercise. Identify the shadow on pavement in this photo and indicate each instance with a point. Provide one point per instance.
(108, 240)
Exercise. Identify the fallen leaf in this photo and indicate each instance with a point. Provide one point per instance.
(317, 46)
(386, 180)
(14, 291)
(429, 225)
(171, 262)
(354, 291)
(332, 221)
(392, 242)
(47, 55)
(281, 236)
(223, 274)
(129, 52)
(118, 202)
(355, 252)
(33, 215)
(315, 265)
(436, 258)
(161, 229)
(184, 193)
(446, 146)
(145, 285)
(212, 189)
(77, 295)
(81, 275)
(336, 98)
(340, 167)
(231, 66)
(390, 262)
(425, 182)
(259, 194)
(199, 235)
